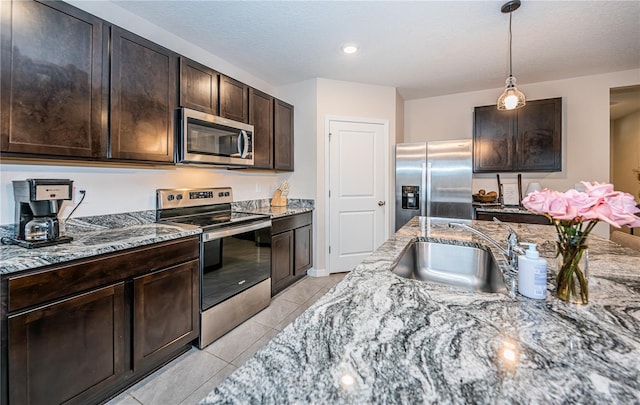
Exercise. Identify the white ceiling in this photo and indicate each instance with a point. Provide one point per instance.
(423, 48)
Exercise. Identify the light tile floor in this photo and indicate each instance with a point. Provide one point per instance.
(190, 377)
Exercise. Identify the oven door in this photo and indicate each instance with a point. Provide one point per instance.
(234, 259)
(211, 139)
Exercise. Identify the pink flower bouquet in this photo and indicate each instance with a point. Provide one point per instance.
(574, 214)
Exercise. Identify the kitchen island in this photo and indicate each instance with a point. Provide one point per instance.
(379, 338)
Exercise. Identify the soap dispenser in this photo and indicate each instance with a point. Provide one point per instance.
(532, 273)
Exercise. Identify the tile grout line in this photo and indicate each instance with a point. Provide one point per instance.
(227, 364)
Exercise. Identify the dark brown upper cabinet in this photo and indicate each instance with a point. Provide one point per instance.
(493, 140)
(143, 99)
(261, 117)
(283, 136)
(73, 86)
(53, 97)
(539, 138)
(198, 87)
(525, 140)
(234, 99)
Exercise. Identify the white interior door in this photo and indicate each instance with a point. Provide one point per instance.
(357, 193)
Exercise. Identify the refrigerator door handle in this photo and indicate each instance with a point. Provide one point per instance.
(426, 190)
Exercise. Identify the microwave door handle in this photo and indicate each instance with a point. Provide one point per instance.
(243, 146)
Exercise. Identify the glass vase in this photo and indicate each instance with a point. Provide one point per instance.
(572, 282)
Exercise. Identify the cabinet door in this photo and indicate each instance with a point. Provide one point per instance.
(165, 312)
(303, 248)
(67, 350)
(540, 136)
(493, 140)
(52, 89)
(198, 87)
(143, 99)
(261, 117)
(234, 102)
(281, 261)
(283, 136)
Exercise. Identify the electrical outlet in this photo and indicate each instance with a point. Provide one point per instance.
(79, 193)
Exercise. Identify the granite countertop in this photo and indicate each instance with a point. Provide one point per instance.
(505, 209)
(379, 338)
(94, 236)
(101, 234)
(293, 207)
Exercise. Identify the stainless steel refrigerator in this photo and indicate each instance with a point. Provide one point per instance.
(433, 179)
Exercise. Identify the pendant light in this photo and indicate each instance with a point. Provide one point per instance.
(511, 98)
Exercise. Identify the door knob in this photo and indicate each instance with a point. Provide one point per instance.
(381, 203)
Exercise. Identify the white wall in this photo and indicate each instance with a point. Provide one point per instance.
(399, 118)
(626, 152)
(585, 126)
(303, 96)
(345, 99)
(302, 182)
(117, 189)
(315, 100)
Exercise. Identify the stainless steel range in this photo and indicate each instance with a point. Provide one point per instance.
(235, 256)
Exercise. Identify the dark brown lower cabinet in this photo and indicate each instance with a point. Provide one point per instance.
(67, 350)
(281, 261)
(291, 250)
(165, 312)
(303, 238)
(81, 332)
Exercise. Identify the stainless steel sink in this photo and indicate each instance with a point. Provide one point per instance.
(467, 267)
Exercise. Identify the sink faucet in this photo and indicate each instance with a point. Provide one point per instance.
(512, 250)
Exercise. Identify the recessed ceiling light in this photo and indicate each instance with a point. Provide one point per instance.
(350, 48)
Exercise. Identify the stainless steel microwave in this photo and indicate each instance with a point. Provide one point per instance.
(206, 138)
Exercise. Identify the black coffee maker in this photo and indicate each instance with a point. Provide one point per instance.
(38, 202)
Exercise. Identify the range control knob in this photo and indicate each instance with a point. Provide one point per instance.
(179, 197)
(170, 197)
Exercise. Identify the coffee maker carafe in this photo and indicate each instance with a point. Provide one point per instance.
(38, 202)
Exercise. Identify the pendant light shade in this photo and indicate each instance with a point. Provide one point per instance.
(511, 98)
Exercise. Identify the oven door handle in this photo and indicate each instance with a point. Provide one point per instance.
(221, 233)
